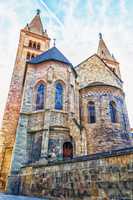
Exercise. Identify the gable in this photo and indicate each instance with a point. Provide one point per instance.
(94, 69)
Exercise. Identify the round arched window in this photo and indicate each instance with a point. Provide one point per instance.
(91, 112)
(40, 93)
(113, 112)
(58, 96)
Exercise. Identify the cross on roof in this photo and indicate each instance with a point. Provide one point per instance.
(54, 42)
(100, 35)
(38, 11)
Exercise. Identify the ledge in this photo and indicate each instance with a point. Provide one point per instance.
(96, 156)
(43, 111)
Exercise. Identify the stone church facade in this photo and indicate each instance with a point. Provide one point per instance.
(58, 115)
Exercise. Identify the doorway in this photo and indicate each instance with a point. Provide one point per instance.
(67, 150)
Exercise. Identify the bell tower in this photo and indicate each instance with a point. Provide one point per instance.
(33, 41)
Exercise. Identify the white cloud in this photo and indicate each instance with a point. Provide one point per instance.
(51, 13)
(123, 7)
(90, 7)
(10, 26)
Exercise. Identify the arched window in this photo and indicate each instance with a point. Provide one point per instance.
(91, 112)
(67, 150)
(58, 96)
(38, 46)
(34, 45)
(28, 56)
(33, 55)
(30, 43)
(40, 93)
(113, 112)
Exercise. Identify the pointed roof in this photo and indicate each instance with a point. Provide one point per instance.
(35, 25)
(103, 51)
(52, 54)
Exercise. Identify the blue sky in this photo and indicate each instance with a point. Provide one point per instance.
(76, 25)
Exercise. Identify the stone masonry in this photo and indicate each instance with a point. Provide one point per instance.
(12, 109)
(103, 176)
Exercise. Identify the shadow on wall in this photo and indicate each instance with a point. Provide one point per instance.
(102, 176)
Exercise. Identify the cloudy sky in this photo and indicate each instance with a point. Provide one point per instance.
(75, 24)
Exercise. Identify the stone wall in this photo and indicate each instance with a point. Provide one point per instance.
(103, 135)
(94, 69)
(102, 176)
(12, 109)
(57, 126)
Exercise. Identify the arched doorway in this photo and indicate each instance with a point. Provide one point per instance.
(67, 150)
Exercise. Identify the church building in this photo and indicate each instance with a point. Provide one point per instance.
(57, 112)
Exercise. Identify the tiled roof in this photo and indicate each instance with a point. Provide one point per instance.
(51, 54)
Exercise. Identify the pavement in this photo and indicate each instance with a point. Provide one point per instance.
(12, 197)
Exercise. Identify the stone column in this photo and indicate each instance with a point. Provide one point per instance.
(19, 152)
(45, 138)
(47, 118)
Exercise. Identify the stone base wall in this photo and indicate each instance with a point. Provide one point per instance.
(102, 176)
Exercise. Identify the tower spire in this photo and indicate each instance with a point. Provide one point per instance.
(103, 51)
(35, 25)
